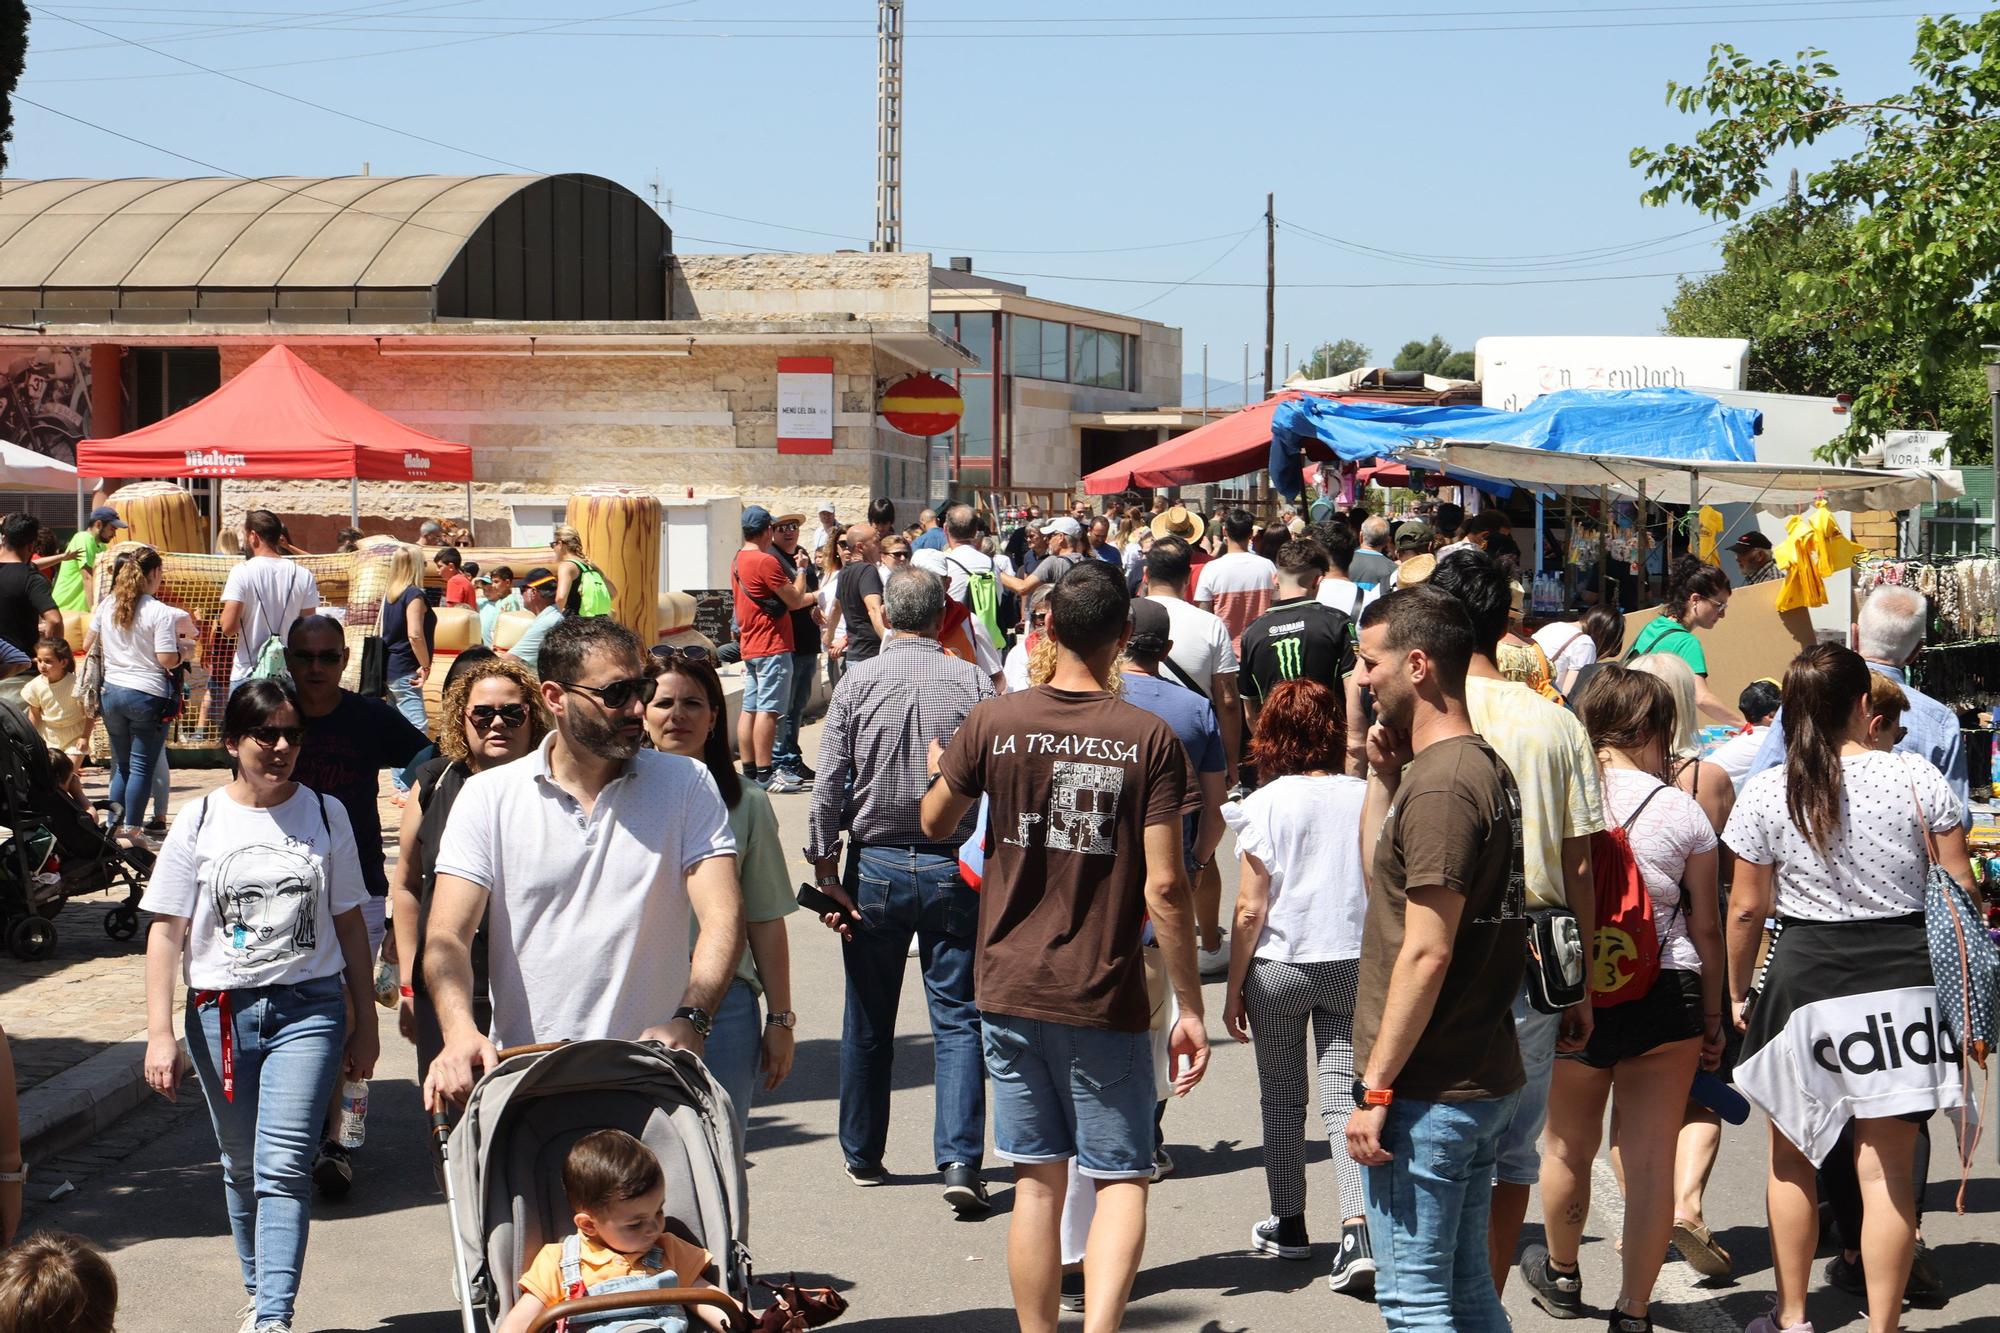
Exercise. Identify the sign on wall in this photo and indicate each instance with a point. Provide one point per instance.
(1513, 372)
(1916, 448)
(805, 404)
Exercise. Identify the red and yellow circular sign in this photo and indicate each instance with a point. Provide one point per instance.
(922, 405)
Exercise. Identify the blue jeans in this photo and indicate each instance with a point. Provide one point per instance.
(162, 785)
(785, 744)
(408, 697)
(899, 892)
(1427, 1214)
(1063, 1091)
(289, 1041)
(734, 1045)
(135, 724)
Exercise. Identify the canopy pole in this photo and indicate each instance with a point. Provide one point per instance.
(1645, 556)
(354, 502)
(1569, 542)
(79, 501)
(1694, 512)
(468, 508)
(1539, 529)
(1604, 545)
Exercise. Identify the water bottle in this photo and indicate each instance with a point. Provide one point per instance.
(388, 985)
(353, 1113)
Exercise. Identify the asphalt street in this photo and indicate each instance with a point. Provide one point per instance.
(380, 1260)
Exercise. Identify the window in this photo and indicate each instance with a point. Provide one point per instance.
(1055, 351)
(1110, 361)
(976, 332)
(1024, 345)
(1083, 356)
(975, 428)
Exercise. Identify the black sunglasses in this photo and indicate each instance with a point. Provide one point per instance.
(319, 657)
(897, 555)
(619, 693)
(692, 652)
(270, 736)
(483, 715)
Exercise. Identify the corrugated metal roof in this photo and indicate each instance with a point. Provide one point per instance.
(287, 231)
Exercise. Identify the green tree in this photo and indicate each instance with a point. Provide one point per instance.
(13, 58)
(1755, 296)
(1335, 358)
(1918, 269)
(1435, 358)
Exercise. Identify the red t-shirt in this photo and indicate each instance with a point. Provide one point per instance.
(458, 591)
(761, 633)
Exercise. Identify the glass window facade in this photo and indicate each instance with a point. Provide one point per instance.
(975, 428)
(1072, 353)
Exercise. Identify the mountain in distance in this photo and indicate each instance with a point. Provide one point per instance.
(1221, 393)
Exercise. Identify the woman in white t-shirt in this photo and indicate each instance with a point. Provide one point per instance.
(1573, 645)
(1643, 1052)
(257, 898)
(1846, 1026)
(140, 646)
(1295, 957)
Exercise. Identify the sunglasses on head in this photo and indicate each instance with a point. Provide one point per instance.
(619, 693)
(692, 652)
(483, 715)
(270, 736)
(316, 657)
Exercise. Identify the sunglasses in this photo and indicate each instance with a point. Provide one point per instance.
(897, 555)
(270, 736)
(692, 652)
(619, 693)
(484, 715)
(321, 657)
(1039, 619)
(787, 527)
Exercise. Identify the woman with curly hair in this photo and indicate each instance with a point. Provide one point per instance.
(1295, 959)
(492, 714)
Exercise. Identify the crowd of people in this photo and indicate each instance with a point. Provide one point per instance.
(1034, 743)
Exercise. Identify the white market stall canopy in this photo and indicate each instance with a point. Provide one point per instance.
(25, 470)
(1668, 479)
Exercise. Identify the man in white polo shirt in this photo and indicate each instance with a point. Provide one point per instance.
(589, 853)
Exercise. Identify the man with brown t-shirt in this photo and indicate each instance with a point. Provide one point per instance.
(1083, 845)
(1441, 959)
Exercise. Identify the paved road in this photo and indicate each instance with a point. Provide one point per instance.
(380, 1261)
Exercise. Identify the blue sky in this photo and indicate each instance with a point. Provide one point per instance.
(1437, 128)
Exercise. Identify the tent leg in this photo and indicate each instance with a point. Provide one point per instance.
(354, 502)
(1604, 548)
(79, 502)
(1645, 556)
(468, 507)
(1539, 525)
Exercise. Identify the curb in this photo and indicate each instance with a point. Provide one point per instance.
(81, 1102)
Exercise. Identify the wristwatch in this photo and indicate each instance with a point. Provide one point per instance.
(1367, 1096)
(698, 1019)
(783, 1018)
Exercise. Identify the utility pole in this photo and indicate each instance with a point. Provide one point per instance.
(888, 127)
(1270, 284)
(1204, 384)
(1246, 374)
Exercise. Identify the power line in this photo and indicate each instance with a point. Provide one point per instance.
(1622, 255)
(1350, 286)
(1236, 245)
(1529, 260)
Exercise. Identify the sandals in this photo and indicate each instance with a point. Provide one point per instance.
(1698, 1246)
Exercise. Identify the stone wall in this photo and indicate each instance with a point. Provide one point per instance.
(784, 287)
(547, 426)
(1875, 530)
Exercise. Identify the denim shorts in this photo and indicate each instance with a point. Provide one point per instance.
(1061, 1091)
(1520, 1158)
(767, 684)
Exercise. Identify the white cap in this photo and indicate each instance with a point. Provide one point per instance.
(827, 507)
(1066, 525)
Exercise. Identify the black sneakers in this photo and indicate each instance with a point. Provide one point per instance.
(1282, 1236)
(332, 1172)
(1354, 1267)
(1072, 1293)
(965, 1191)
(1558, 1294)
(1629, 1323)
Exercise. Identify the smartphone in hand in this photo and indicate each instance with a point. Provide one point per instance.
(818, 903)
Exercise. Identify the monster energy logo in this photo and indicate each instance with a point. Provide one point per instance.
(1291, 657)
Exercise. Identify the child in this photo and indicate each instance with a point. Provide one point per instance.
(51, 700)
(54, 1282)
(619, 1194)
(63, 769)
(1886, 702)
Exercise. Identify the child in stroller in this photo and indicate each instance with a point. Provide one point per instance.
(621, 1243)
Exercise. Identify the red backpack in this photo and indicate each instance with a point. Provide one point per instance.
(1625, 950)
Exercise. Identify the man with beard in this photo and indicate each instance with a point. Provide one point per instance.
(591, 854)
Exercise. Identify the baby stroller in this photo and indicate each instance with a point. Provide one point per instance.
(503, 1164)
(54, 849)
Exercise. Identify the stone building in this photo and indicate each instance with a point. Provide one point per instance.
(545, 320)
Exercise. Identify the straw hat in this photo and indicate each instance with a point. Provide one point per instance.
(1182, 522)
(1415, 570)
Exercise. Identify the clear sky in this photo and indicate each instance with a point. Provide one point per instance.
(1145, 132)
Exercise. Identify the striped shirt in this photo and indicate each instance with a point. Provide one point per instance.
(879, 726)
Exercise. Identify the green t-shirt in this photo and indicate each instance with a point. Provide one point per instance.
(1667, 635)
(760, 868)
(70, 591)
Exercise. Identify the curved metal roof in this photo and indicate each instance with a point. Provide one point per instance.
(287, 231)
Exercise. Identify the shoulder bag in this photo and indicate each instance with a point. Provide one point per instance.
(373, 680)
(1556, 974)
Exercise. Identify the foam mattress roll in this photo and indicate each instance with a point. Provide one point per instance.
(620, 528)
(509, 627)
(161, 515)
(76, 624)
(457, 629)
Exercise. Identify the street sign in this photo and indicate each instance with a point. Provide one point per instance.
(1916, 448)
(922, 405)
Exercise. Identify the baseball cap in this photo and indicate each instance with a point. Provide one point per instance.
(430, 526)
(1750, 540)
(105, 514)
(755, 519)
(1152, 629)
(1066, 525)
(537, 576)
(827, 507)
(1415, 533)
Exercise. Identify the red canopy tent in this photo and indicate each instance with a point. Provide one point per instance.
(278, 420)
(1230, 447)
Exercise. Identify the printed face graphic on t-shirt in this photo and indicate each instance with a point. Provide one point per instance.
(1083, 800)
(267, 900)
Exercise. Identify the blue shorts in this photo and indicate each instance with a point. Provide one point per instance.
(1061, 1091)
(767, 684)
(1520, 1156)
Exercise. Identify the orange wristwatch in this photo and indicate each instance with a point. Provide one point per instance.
(1367, 1096)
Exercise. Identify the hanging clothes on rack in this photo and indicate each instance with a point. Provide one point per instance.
(1814, 547)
